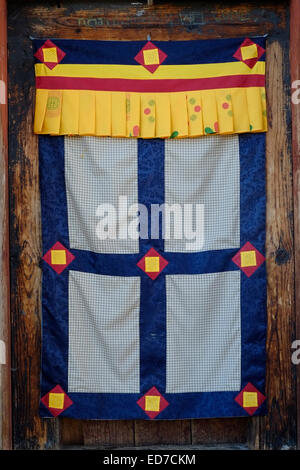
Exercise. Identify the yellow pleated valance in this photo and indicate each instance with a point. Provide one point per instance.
(151, 99)
(120, 114)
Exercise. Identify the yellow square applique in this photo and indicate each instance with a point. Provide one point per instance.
(58, 257)
(152, 264)
(248, 258)
(56, 400)
(151, 57)
(249, 52)
(152, 403)
(50, 54)
(250, 400)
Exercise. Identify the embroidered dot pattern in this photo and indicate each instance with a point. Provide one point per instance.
(174, 134)
(136, 130)
(209, 130)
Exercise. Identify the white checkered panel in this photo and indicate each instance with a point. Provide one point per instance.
(205, 170)
(203, 332)
(98, 171)
(103, 333)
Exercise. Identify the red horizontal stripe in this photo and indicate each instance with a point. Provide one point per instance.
(151, 86)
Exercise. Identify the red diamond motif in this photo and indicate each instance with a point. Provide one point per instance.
(150, 57)
(56, 401)
(58, 257)
(251, 61)
(152, 263)
(50, 45)
(250, 398)
(248, 259)
(153, 403)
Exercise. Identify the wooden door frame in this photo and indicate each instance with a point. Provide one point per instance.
(5, 324)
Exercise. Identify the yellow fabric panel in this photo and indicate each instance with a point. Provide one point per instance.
(139, 72)
(224, 110)
(163, 115)
(152, 403)
(264, 108)
(151, 56)
(240, 110)
(152, 264)
(103, 113)
(248, 258)
(194, 106)
(179, 121)
(148, 112)
(50, 54)
(210, 116)
(249, 52)
(70, 112)
(56, 400)
(118, 114)
(133, 114)
(51, 123)
(41, 99)
(87, 112)
(58, 257)
(250, 400)
(255, 108)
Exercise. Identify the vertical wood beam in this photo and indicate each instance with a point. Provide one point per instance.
(295, 75)
(277, 430)
(5, 383)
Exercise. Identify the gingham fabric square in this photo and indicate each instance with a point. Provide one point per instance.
(103, 333)
(203, 333)
(205, 171)
(99, 171)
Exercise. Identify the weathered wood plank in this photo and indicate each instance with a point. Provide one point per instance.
(71, 432)
(215, 431)
(163, 432)
(278, 429)
(5, 383)
(108, 433)
(29, 431)
(295, 75)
